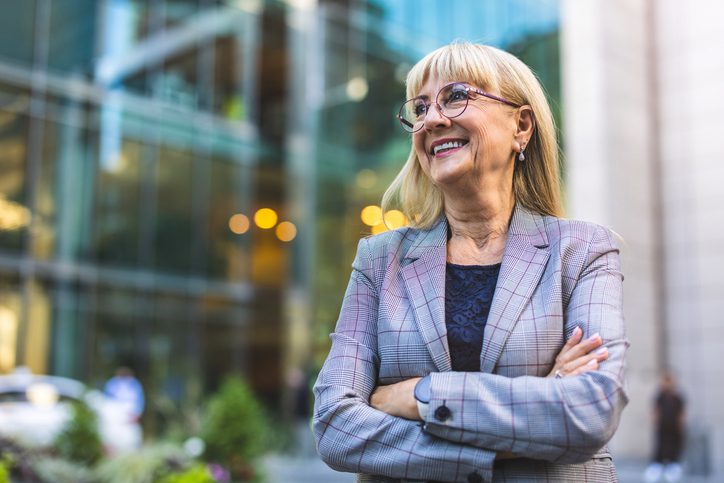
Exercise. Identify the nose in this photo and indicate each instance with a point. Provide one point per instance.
(434, 118)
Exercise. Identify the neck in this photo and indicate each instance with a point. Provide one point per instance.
(479, 228)
(481, 218)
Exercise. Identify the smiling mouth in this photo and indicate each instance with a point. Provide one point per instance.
(448, 146)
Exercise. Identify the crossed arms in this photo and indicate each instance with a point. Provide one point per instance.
(561, 420)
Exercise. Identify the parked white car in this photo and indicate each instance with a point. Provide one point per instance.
(34, 409)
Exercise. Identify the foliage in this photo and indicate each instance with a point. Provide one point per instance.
(195, 474)
(19, 460)
(235, 429)
(62, 471)
(80, 440)
(157, 463)
(282, 438)
(182, 418)
(149, 464)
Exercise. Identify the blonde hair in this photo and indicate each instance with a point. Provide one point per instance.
(536, 183)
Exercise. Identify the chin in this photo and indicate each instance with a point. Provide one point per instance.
(447, 178)
(450, 170)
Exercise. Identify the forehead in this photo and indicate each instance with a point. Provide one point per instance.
(433, 84)
(443, 67)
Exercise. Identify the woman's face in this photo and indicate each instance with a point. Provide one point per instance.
(480, 142)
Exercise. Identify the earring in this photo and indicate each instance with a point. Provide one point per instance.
(521, 156)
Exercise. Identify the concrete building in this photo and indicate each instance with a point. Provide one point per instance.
(644, 117)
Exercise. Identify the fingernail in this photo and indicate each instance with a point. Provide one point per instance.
(577, 330)
(601, 351)
(594, 337)
(593, 362)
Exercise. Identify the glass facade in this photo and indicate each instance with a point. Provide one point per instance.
(181, 181)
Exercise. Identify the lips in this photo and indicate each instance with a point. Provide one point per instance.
(442, 146)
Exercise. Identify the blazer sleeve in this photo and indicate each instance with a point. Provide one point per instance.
(561, 420)
(351, 435)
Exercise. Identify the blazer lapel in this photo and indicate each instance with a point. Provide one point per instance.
(524, 260)
(424, 278)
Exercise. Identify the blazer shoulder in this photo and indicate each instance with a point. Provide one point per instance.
(578, 234)
(377, 253)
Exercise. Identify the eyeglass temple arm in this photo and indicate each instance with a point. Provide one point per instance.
(405, 122)
(492, 96)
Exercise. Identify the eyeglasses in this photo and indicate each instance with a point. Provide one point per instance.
(451, 101)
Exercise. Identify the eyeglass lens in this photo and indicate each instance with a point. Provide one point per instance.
(452, 99)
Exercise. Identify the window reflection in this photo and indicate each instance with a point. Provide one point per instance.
(118, 206)
(173, 224)
(10, 316)
(18, 22)
(70, 27)
(228, 252)
(14, 139)
(228, 96)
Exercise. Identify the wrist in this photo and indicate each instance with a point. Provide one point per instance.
(422, 396)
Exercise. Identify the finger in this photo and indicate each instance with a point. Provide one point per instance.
(584, 347)
(564, 355)
(574, 339)
(591, 365)
(600, 354)
(587, 363)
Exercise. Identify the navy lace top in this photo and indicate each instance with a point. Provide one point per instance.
(468, 295)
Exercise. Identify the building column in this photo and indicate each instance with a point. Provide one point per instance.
(606, 78)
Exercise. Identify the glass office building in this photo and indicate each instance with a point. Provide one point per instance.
(181, 181)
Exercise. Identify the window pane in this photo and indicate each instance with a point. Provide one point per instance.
(117, 219)
(273, 78)
(73, 34)
(10, 314)
(64, 199)
(174, 222)
(17, 28)
(228, 100)
(14, 130)
(228, 254)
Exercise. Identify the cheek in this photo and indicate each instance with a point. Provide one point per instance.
(478, 140)
(421, 154)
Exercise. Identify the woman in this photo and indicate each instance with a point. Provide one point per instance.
(449, 361)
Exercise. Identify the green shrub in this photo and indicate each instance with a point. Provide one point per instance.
(235, 429)
(80, 440)
(195, 474)
(4, 473)
(62, 471)
(19, 459)
(149, 464)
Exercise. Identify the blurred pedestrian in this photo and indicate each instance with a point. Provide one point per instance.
(125, 388)
(669, 414)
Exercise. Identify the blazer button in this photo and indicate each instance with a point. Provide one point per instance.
(442, 413)
(474, 477)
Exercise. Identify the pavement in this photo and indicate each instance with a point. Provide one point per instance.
(633, 472)
(310, 469)
(291, 469)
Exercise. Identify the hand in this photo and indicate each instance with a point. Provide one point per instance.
(578, 357)
(397, 399)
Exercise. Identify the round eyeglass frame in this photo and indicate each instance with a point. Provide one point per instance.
(413, 128)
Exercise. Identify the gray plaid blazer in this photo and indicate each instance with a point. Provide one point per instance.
(556, 274)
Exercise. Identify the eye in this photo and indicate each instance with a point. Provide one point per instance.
(458, 95)
(419, 108)
(454, 95)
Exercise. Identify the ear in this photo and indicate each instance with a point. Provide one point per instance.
(524, 127)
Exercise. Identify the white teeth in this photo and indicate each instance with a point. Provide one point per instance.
(447, 145)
